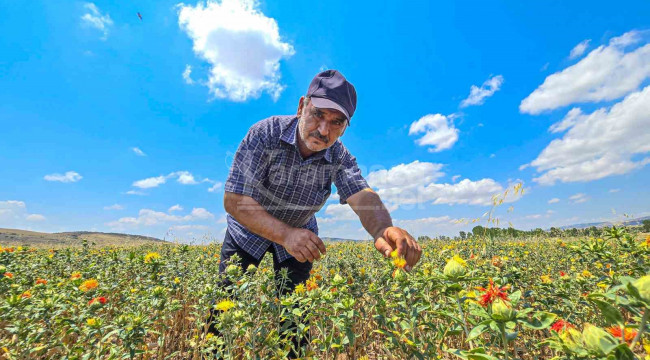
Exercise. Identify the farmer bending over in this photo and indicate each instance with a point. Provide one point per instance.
(282, 175)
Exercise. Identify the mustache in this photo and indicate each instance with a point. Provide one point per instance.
(317, 135)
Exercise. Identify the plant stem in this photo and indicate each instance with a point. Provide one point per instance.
(644, 319)
(462, 315)
(505, 340)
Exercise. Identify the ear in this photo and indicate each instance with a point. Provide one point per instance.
(301, 104)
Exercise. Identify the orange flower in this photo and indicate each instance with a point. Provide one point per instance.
(311, 285)
(616, 332)
(41, 281)
(9, 275)
(88, 285)
(497, 261)
(100, 299)
(491, 293)
(26, 295)
(75, 275)
(561, 325)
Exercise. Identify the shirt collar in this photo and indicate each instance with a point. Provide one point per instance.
(289, 135)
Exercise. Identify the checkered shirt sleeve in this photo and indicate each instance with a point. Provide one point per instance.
(348, 179)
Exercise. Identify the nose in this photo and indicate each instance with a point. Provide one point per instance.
(324, 128)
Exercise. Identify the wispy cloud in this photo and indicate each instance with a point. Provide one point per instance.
(578, 198)
(579, 49)
(95, 19)
(68, 177)
(554, 200)
(138, 152)
(114, 207)
(477, 95)
(187, 75)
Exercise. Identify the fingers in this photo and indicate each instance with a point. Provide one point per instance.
(319, 243)
(383, 247)
(312, 251)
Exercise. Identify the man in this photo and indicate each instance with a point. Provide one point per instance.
(282, 175)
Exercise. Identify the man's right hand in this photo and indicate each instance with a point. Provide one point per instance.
(304, 245)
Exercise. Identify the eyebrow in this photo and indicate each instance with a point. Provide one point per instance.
(317, 109)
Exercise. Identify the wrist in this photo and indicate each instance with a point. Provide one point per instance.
(282, 234)
(380, 233)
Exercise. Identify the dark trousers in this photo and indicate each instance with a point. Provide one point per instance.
(297, 273)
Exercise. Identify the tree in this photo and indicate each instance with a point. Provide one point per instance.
(463, 235)
(646, 225)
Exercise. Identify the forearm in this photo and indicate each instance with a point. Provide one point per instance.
(248, 212)
(374, 216)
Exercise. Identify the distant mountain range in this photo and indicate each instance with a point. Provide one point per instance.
(637, 221)
(15, 237)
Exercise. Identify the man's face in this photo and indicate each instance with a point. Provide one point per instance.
(319, 128)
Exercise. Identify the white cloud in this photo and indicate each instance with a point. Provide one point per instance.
(94, 18)
(187, 75)
(148, 217)
(569, 120)
(216, 187)
(477, 95)
(35, 217)
(606, 73)
(533, 216)
(600, 144)
(114, 207)
(189, 227)
(614, 190)
(151, 182)
(184, 177)
(135, 192)
(439, 132)
(414, 183)
(138, 152)
(578, 198)
(70, 176)
(13, 213)
(241, 44)
(339, 212)
(176, 207)
(405, 176)
(454, 178)
(579, 49)
(554, 200)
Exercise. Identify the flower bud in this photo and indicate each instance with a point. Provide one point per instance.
(597, 341)
(454, 268)
(643, 286)
(251, 268)
(232, 270)
(337, 280)
(502, 310)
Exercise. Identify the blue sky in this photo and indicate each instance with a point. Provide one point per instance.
(456, 103)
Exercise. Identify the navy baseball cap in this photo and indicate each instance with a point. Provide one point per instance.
(330, 90)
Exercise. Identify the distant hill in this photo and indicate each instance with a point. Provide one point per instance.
(330, 239)
(15, 237)
(631, 222)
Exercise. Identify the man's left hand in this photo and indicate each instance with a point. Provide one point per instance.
(394, 238)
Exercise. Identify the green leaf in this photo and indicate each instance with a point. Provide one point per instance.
(477, 331)
(540, 320)
(611, 313)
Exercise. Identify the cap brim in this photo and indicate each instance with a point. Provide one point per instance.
(329, 104)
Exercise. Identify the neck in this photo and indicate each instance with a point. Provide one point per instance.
(302, 147)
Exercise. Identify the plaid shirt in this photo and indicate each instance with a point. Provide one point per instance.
(269, 168)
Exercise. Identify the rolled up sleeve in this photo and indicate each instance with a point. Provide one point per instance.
(249, 166)
(348, 179)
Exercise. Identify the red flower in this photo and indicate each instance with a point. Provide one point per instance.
(100, 299)
(562, 273)
(493, 292)
(41, 281)
(561, 325)
(616, 332)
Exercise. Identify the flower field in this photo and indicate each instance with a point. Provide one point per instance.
(479, 298)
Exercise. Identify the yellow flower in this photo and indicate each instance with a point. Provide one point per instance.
(546, 279)
(399, 262)
(91, 322)
(586, 274)
(75, 275)
(151, 257)
(88, 285)
(177, 280)
(225, 305)
(459, 260)
(300, 289)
